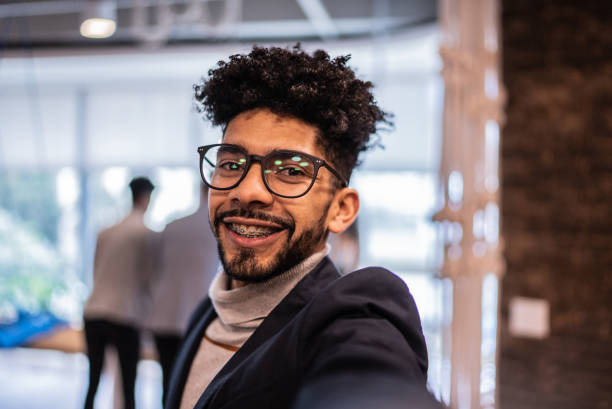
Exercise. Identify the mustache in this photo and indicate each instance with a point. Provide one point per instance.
(288, 224)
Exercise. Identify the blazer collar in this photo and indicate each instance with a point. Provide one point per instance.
(187, 353)
(320, 277)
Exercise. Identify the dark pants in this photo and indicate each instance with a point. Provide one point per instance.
(125, 338)
(167, 348)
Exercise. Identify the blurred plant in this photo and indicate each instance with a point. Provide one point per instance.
(33, 276)
(31, 197)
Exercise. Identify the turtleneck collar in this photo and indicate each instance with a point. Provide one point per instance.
(247, 306)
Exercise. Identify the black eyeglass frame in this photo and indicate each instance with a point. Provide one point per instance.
(317, 163)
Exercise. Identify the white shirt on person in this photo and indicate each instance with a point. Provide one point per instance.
(123, 268)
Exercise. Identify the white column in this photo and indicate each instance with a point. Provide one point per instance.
(468, 218)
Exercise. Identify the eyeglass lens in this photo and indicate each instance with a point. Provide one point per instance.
(288, 174)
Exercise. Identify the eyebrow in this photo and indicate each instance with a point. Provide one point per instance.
(272, 150)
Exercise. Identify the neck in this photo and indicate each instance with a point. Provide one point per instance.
(233, 283)
(236, 283)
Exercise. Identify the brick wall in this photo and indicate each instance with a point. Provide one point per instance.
(557, 201)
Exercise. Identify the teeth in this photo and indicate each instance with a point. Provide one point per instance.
(250, 231)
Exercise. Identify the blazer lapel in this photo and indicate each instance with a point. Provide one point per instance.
(186, 355)
(322, 275)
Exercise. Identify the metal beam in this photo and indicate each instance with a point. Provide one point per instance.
(319, 18)
(40, 8)
(52, 7)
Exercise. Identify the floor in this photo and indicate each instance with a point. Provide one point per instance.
(40, 378)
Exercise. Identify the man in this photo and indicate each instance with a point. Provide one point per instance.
(188, 262)
(116, 307)
(280, 325)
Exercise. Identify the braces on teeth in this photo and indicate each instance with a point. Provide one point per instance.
(251, 232)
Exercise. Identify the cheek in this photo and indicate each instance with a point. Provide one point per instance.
(308, 216)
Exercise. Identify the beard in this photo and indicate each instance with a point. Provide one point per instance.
(246, 267)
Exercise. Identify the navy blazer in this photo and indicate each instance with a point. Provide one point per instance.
(362, 323)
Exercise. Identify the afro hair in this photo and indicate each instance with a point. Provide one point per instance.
(321, 91)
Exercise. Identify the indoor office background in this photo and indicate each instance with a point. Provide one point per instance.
(77, 122)
(490, 198)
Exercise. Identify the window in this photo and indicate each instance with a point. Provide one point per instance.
(69, 146)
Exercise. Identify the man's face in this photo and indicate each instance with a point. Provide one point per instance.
(261, 235)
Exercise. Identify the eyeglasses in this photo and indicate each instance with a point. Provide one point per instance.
(285, 173)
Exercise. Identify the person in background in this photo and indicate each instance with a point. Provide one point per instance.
(280, 323)
(188, 261)
(116, 308)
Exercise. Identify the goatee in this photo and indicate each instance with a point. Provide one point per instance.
(246, 268)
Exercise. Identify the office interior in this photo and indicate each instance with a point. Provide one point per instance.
(489, 198)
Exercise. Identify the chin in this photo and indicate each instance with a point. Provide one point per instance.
(251, 266)
(248, 267)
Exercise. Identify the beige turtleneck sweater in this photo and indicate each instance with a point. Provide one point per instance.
(239, 313)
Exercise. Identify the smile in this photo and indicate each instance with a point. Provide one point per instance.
(251, 231)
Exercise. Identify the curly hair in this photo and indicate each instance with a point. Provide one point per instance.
(321, 91)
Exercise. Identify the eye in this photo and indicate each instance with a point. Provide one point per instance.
(231, 165)
(290, 171)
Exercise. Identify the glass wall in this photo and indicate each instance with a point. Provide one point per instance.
(74, 130)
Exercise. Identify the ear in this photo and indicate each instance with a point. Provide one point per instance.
(343, 210)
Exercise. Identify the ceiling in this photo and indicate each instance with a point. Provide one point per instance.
(30, 24)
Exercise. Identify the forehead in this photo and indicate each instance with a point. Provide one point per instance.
(261, 131)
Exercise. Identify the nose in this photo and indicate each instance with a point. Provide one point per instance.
(252, 190)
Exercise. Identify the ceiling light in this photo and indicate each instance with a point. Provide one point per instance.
(99, 18)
